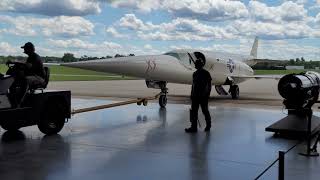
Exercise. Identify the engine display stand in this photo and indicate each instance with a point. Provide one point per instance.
(295, 125)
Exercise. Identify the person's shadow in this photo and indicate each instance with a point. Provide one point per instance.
(199, 168)
(33, 158)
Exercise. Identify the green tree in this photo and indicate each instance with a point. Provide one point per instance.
(119, 55)
(291, 62)
(68, 57)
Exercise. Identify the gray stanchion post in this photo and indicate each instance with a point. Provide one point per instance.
(281, 165)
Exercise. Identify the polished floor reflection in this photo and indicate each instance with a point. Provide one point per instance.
(137, 142)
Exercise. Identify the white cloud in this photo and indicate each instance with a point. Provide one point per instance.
(288, 11)
(318, 18)
(142, 5)
(298, 1)
(144, 50)
(210, 10)
(7, 49)
(285, 50)
(269, 30)
(286, 21)
(177, 29)
(147, 50)
(52, 7)
(61, 26)
(147, 46)
(130, 21)
(267, 25)
(189, 23)
(114, 32)
(80, 44)
(80, 47)
(315, 6)
(181, 47)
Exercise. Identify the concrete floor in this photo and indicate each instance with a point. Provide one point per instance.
(137, 142)
(263, 92)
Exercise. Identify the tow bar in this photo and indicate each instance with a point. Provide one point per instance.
(139, 101)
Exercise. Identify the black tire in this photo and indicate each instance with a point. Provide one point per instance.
(234, 90)
(163, 101)
(9, 126)
(12, 136)
(53, 118)
(145, 102)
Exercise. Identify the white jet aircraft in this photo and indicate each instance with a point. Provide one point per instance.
(178, 66)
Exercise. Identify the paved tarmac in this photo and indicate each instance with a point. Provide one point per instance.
(137, 142)
(253, 93)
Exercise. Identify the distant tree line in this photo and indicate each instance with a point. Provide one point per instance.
(4, 59)
(281, 64)
(67, 57)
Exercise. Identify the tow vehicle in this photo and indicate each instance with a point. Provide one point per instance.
(21, 107)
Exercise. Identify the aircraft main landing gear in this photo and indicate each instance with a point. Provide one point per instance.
(234, 91)
(163, 97)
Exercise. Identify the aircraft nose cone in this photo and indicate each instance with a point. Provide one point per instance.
(132, 66)
(155, 67)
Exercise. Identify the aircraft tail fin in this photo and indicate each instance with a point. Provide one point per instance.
(254, 50)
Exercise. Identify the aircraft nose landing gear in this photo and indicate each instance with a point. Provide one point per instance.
(164, 90)
(163, 97)
(234, 91)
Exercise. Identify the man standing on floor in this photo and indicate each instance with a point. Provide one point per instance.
(200, 93)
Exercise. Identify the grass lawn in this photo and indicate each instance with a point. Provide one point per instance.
(61, 73)
(3, 68)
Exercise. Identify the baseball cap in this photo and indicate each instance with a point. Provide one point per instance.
(27, 45)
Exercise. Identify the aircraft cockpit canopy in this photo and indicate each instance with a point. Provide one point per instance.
(187, 58)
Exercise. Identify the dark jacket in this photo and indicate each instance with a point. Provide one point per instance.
(201, 86)
(36, 68)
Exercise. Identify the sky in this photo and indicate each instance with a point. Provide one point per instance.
(286, 29)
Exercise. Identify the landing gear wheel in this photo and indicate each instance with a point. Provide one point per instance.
(53, 119)
(145, 102)
(234, 90)
(163, 101)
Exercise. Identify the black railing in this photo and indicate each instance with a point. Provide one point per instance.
(309, 151)
(280, 159)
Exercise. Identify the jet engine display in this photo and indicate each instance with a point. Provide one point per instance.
(299, 90)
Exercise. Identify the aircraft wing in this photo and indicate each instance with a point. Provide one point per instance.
(253, 62)
(276, 77)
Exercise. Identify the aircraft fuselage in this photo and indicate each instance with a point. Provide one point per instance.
(173, 67)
